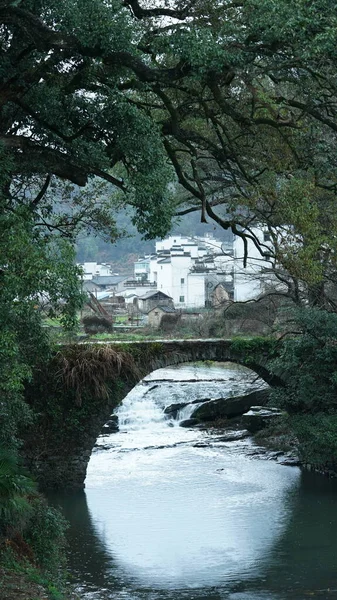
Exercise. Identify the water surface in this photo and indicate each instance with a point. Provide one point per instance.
(174, 513)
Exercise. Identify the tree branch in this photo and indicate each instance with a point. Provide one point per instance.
(42, 191)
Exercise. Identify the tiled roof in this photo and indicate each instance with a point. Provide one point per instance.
(166, 309)
(164, 260)
(151, 294)
(109, 279)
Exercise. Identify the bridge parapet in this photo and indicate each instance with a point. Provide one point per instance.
(252, 353)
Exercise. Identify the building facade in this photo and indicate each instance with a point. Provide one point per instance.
(186, 269)
(253, 280)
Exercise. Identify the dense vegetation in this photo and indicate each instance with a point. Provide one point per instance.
(225, 108)
(308, 364)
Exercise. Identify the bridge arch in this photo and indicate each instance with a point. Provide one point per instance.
(253, 354)
(59, 444)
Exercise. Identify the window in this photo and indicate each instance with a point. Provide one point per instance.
(181, 298)
(266, 236)
(182, 280)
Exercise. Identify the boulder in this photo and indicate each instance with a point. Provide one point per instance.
(189, 423)
(229, 407)
(111, 426)
(259, 417)
(173, 409)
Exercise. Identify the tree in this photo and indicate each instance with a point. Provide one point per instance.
(224, 107)
(217, 93)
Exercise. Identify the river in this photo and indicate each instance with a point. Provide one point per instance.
(170, 513)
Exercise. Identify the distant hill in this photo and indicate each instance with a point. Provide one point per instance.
(126, 250)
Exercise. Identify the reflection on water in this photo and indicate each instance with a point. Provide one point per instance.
(180, 521)
(184, 522)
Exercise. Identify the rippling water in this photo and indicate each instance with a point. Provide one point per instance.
(174, 513)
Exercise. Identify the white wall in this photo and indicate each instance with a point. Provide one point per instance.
(249, 281)
(93, 269)
(164, 278)
(181, 266)
(196, 290)
(173, 276)
(142, 268)
(175, 279)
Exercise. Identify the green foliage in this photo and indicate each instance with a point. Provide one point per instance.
(255, 348)
(37, 272)
(46, 536)
(15, 487)
(308, 363)
(29, 528)
(317, 435)
(224, 109)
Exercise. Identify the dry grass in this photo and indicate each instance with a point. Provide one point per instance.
(83, 367)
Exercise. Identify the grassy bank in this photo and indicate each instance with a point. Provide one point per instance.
(32, 538)
(20, 581)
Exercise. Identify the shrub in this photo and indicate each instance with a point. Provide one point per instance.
(46, 536)
(15, 489)
(308, 364)
(169, 321)
(96, 324)
(30, 529)
(317, 435)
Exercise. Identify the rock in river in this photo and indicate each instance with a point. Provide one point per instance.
(258, 417)
(173, 409)
(229, 407)
(189, 423)
(111, 426)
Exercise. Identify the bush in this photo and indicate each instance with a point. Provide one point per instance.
(317, 435)
(169, 321)
(308, 364)
(30, 529)
(15, 490)
(96, 324)
(46, 536)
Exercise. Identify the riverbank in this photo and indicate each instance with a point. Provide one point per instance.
(29, 584)
(15, 586)
(288, 441)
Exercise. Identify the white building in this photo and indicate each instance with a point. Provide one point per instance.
(182, 267)
(257, 277)
(93, 269)
(189, 269)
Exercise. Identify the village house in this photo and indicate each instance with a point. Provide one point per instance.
(153, 299)
(155, 314)
(186, 269)
(105, 282)
(94, 269)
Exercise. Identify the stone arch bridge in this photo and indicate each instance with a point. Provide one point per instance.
(59, 444)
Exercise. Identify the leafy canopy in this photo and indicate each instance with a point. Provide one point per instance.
(226, 107)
